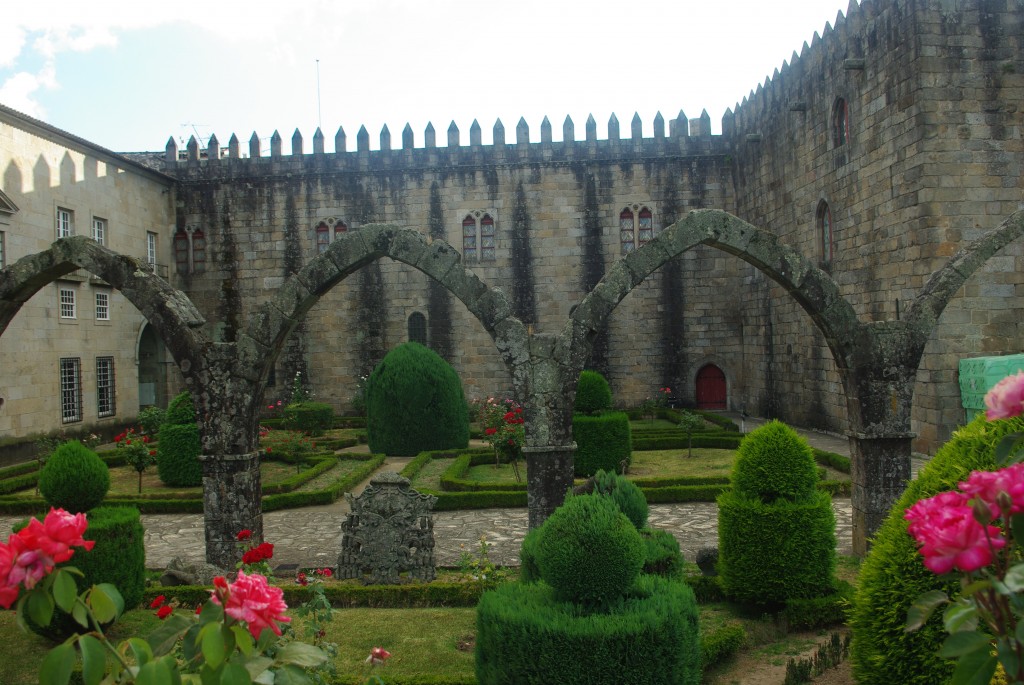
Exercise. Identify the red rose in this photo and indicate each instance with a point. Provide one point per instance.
(164, 612)
(491, 431)
(244, 534)
(160, 599)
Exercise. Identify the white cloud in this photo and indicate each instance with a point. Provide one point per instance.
(17, 91)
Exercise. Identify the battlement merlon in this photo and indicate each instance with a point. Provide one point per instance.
(685, 138)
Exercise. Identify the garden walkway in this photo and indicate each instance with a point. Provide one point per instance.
(311, 536)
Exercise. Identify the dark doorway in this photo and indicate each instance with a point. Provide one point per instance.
(711, 388)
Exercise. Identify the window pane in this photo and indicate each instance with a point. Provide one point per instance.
(99, 231)
(469, 239)
(181, 251)
(323, 237)
(418, 328)
(151, 247)
(198, 252)
(67, 303)
(626, 235)
(102, 307)
(65, 223)
(105, 386)
(70, 389)
(340, 229)
(646, 227)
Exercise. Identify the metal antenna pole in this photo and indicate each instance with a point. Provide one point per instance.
(319, 120)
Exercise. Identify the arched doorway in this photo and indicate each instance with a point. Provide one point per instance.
(152, 369)
(711, 388)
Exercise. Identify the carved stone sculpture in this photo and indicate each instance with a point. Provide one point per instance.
(389, 536)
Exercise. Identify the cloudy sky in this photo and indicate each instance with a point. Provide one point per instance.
(129, 75)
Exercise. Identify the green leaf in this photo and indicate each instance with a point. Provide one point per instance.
(140, 650)
(257, 665)
(211, 613)
(57, 665)
(190, 643)
(154, 673)
(921, 610)
(94, 659)
(1005, 448)
(974, 669)
(243, 639)
(1007, 656)
(163, 638)
(965, 642)
(235, 674)
(301, 654)
(1015, 577)
(65, 592)
(292, 675)
(115, 596)
(79, 613)
(961, 615)
(212, 644)
(40, 607)
(973, 587)
(102, 605)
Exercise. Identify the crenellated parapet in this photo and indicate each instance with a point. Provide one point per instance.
(684, 138)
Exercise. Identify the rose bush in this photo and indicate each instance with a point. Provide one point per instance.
(976, 531)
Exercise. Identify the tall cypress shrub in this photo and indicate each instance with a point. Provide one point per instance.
(177, 453)
(414, 402)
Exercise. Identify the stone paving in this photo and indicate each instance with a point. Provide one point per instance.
(311, 536)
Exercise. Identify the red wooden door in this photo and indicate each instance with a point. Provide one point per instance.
(711, 388)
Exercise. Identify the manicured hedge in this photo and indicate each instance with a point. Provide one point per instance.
(524, 635)
(719, 645)
(602, 443)
(177, 455)
(452, 479)
(312, 418)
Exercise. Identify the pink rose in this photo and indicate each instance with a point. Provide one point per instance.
(1006, 399)
(986, 486)
(252, 600)
(950, 536)
(8, 593)
(378, 655)
(58, 533)
(29, 564)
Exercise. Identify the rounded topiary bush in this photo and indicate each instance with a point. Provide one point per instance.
(529, 572)
(589, 552)
(775, 461)
(776, 530)
(626, 495)
(893, 575)
(593, 393)
(414, 402)
(177, 453)
(526, 635)
(119, 558)
(661, 553)
(603, 442)
(74, 478)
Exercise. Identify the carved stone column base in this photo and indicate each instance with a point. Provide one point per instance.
(231, 503)
(880, 471)
(549, 475)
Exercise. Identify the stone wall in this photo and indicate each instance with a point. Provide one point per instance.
(931, 160)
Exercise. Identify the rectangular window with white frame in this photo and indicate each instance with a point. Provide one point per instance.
(150, 247)
(99, 230)
(102, 306)
(65, 223)
(105, 388)
(67, 303)
(70, 389)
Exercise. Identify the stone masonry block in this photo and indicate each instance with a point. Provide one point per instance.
(250, 357)
(293, 299)
(513, 344)
(491, 308)
(378, 237)
(437, 259)
(350, 252)
(464, 284)
(320, 275)
(408, 246)
(616, 284)
(644, 261)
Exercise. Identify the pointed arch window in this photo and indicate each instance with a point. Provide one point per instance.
(340, 229)
(181, 250)
(840, 123)
(487, 238)
(469, 239)
(626, 235)
(826, 238)
(417, 328)
(198, 252)
(323, 237)
(646, 227)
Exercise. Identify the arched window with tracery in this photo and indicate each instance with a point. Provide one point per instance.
(469, 239)
(840, 123)
(323, 237)
(645, 232)
(198, 252)
(339, 229)
(417, 328)
(626, 235)
(181, 251)
(826, 239)
(487, 239)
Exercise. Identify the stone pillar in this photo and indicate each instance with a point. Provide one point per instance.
(880, 471)
(231, 503)
(549, 475)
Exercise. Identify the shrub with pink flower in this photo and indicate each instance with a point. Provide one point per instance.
(253, 600)
(975, 531)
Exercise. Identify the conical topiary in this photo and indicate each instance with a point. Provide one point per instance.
(775, 462)
(414, 402)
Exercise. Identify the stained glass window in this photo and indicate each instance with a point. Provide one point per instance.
(323, 237)
(646, 233)
(469, 239)
(626, 231)
(487, 239)
(339, 229)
